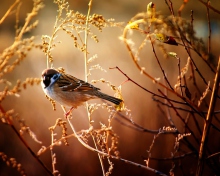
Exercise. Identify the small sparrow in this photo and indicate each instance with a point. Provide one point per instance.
(70, 91)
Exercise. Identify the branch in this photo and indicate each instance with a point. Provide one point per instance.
(138, 127)
(208, 121)
(209, 6)
(24, 142)
(103, 154)
(8, 11)
(174, 158)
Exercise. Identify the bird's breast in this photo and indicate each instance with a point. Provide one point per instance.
(67, 98)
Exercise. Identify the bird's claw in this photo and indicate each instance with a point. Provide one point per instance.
(68, 112)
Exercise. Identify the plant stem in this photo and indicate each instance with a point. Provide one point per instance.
(86, 79)
(208, 122)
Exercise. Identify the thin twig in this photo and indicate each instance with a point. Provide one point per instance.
(142, 21)
(194, 64)
(111, 156)
(208, 122)
(181, 118)
(197, 124)
(138, 127)
(86, 77)
(161, 68)
(8, 11)
(210, 7)
(180, 79)
(28, 19)
(174, 158)
(151, 147)
(186, 101)
(209, 27)
(182, 7)
(213, 155)
(24, 142)
(53, 155)
(192, 20)
(169, 118)
(179, 108)
(170, 7)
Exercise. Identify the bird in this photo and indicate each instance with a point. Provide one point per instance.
(70, 91)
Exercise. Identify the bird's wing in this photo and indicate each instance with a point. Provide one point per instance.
(70, 83)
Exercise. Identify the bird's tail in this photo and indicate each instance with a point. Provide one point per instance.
(114, 100)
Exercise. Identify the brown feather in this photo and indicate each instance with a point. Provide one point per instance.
(71, 83)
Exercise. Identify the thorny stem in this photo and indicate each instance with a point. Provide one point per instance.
(208, 122)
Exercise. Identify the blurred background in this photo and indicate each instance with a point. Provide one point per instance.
(36, 110)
